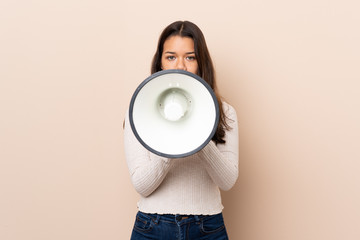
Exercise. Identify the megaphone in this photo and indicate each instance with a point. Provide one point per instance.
(174, 113)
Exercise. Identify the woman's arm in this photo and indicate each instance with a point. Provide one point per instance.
(147, 170)
(221, 160)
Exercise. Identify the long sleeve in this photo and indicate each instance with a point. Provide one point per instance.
(188, 185)
(221, 160)
(147, 170)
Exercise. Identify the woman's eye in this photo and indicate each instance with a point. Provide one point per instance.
(170, 57)
(191, 58)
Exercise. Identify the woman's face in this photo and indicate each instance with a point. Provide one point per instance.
(179, 53)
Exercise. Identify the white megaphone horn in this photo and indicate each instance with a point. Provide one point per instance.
(174, 113)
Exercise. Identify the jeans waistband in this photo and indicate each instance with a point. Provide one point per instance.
(174, 218)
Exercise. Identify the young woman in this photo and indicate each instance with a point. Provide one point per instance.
(180, 198)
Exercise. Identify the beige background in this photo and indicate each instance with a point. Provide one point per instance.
(68, 70)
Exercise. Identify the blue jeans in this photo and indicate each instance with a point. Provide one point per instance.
(179, 227)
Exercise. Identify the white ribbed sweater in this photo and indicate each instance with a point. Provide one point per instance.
(187, 185)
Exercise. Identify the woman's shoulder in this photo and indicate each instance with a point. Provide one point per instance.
(227, 108)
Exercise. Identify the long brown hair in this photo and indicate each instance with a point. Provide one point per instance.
(205, 65)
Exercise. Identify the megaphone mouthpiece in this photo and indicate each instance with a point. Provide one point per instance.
(174, 104)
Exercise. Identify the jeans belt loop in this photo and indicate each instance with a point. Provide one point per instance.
(157, 219)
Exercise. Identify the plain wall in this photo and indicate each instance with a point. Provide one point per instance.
(68, 70)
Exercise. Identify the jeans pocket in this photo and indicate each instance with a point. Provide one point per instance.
(143, 222)
(212, 224)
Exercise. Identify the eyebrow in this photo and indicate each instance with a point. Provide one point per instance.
(169, 52)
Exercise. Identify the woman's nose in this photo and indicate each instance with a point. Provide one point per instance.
(181, 65)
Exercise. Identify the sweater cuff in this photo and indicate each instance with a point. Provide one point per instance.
(159, 158)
